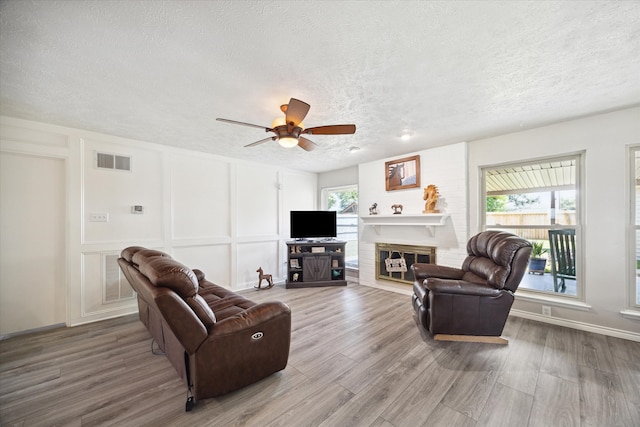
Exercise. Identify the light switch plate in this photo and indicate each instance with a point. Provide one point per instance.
(99, 217)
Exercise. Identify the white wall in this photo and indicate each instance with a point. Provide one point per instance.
(225, 216)
(446, 167)
(337, 178)
(604, 140)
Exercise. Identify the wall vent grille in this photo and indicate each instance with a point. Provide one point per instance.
(113, 162)
(114, 285)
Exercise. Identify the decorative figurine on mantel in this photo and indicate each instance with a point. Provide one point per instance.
(397, 209)
(262, 276)
(373, 209)
(431, 196)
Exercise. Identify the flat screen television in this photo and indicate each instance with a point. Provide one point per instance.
(313, 224)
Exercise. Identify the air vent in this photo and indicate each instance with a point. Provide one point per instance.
(113, 162)
(114, 285)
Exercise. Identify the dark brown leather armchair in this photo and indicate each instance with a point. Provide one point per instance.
(472, 303)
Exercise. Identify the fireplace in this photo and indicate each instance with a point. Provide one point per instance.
(390, 264)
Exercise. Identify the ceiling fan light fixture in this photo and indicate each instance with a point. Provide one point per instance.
(287, 130)
(278, 121)
(287, 141)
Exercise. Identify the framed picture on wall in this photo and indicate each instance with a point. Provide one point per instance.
(402, 173)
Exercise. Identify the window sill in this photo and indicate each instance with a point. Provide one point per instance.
(552, 300)
(630, 314)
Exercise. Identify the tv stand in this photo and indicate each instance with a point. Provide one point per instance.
(314, 264)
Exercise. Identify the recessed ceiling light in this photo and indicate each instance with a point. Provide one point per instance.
(406, 135)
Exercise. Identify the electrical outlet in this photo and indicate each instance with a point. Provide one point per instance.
(99, 217)
(546, 310)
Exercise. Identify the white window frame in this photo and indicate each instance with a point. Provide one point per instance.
(324, 203)
(573, 301)
(633, 227)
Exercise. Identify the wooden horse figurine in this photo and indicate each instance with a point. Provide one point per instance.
(397, 209)
(266, 277)
(431, 197)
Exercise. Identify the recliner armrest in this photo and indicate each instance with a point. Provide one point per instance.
(461, 287)
(423, 271)
(251, 317)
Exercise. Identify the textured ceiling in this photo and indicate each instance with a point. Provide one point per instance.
(162, 71)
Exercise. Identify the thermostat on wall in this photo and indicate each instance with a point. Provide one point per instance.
(137, 209)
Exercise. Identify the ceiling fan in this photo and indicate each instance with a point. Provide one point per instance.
(288, 129)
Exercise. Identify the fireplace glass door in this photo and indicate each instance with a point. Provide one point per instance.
(411, 255)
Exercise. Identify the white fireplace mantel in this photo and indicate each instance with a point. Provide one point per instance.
(430, 221)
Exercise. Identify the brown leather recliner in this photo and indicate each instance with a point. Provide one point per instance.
(474, 300)
(218, 341)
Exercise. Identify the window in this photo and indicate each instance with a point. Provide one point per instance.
(539, 201)
(344, 200)
(634, 261)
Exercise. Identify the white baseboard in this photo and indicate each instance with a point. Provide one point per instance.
(581, 326)
(31, 331)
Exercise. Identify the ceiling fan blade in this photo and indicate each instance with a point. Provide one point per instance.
(262, 141)
(306, 144)
(296, 111)
(234, 122)
(331, 130)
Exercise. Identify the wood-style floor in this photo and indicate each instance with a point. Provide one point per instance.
(357, 359)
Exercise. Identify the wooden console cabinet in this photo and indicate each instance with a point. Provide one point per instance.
(312, 264)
